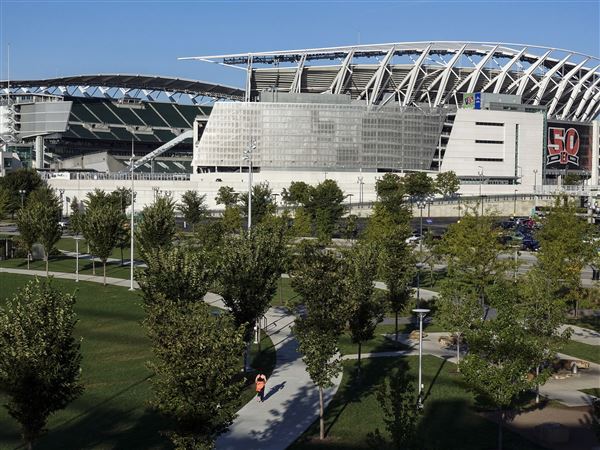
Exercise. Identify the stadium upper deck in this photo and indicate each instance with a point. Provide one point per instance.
(433, 73)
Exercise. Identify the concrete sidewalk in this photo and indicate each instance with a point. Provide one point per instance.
(291, 401)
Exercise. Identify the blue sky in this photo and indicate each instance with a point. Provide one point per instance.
(54, 38)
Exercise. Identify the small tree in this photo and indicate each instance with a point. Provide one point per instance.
(365, 309)
(396, 396)
(302, 223)
(26, 180)
(232, 219)
(28, 231)
(103, 227)
(319, 277)
(226, 196)
(447, 183)
(418, 184)
(156, 229)
(298, 194)
(501, 354)
(76, 217)
(193, 207)
(326, 207)
(4, 202)
(262, 202)
(250, 267)
(48, 230)
(39, 358)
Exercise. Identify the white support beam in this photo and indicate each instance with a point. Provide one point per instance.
(409, 79)
(592, 107)
(296, 86)
(473, 77)
(499, 79)
(566, 79)
(543, 83)
(445, 76)
(586, 97)
(375, 82)
(340, 79)
(575, 92)
(248, 78)
(522, 82)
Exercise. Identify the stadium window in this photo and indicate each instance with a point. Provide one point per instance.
(486, 141)
(489, 159)
(490, 124)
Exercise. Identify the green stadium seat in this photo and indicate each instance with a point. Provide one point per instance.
(125, 114)
(169, 113)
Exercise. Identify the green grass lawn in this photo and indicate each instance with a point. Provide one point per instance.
(67, 244)
(378, 344)
(583, 351)
(285, 294)
(68, 264)
(112, 412)
(592, 391)
(449, 419)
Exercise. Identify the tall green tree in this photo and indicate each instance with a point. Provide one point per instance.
(28, 230)
(121, 198)
(447, 183)
(40, 360)
(298, 193)
(250, 267)
(365, 307)
(103, 226)
(26, 180)
(397, 399)
(302, 223)
(156, 229)
(193, 207)
(566, 247)
(391, 193)
(196, 354)
(319, 276)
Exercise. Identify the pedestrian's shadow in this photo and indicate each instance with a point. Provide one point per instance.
(274, 390)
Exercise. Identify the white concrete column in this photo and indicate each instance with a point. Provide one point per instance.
(39, 152)
(595, 151)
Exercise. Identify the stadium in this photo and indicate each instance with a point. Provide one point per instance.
(502, 116)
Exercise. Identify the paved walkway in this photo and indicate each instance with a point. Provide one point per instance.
(583, 335)
(291, 401)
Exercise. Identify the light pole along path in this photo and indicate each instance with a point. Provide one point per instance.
(291, 399)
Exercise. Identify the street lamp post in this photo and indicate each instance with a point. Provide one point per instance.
(480, 186)
(535, 171)
(421, 203)
(350, 197)
(62, 204)
(360, 190)
(515, 203)
(421, 312)
(248, 157)
(77, 237)
(131, 227)
(22, 192)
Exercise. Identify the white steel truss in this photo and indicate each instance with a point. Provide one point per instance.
(437, 73)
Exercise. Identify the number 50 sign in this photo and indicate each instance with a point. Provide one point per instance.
(563, 146)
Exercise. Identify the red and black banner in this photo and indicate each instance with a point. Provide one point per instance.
(569, 146)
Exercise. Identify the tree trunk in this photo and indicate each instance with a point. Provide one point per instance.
(104, 270)
(458, 352)
(29, 445)
(28, 259)
(247, 356)
(47, 259)
(93, 266)
(321, 413)
(359, 351)
(121, 255)
(537, 385)
(396, 326)
(576, 308)
(500, 423)
(258, 322)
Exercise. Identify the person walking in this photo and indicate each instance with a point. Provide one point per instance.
(261, 383)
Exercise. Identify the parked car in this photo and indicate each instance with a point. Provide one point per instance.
(530, 244)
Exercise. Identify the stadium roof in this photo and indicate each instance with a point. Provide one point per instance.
(566, 82)
(117, 85)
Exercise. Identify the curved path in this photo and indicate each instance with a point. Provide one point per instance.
(291, 400)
